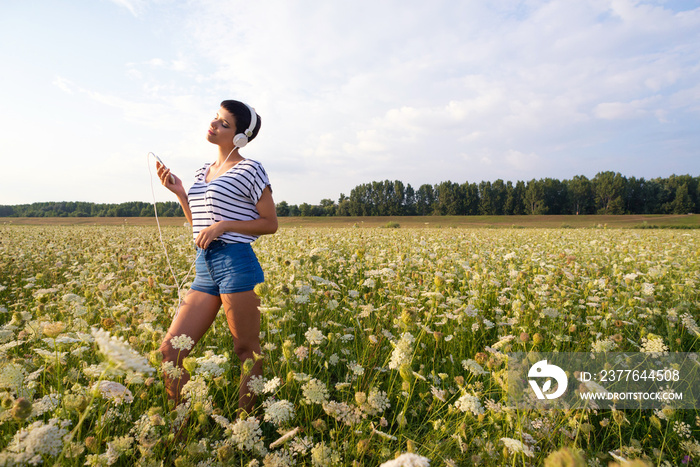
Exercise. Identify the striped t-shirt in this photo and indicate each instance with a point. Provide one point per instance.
(231, 196)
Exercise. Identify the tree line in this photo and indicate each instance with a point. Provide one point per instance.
(85, 209)
(606, 193)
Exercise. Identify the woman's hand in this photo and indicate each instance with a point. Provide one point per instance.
(263, 225)
(208, 235)
(174, 185)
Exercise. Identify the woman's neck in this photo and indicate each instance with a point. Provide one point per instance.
(224, 162)
(228, 155)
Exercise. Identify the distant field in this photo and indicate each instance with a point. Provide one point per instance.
(592, 221)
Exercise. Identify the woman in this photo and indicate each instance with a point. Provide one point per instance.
(229, 206)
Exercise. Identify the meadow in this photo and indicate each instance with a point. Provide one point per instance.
(381, 346)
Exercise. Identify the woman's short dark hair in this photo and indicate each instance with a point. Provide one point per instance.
(240, 111)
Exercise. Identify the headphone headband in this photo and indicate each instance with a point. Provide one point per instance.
(253, 121)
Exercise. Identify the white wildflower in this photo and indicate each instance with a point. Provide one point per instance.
(12, 377)
(408, 459)
(691, 447)
(29, 445)
(323, 455)
(403, 351)
(281, 458)
(438, 393)
(654, 344)
(682, 429)
(112, 391)
(378, 401)
(278, 412)
(61, 357)
(118, 447)
(342, 412)
(690, 324)
(301, 352)
(170, 370)
(48, 403)
(196, 390)
(119, 353)
(182, 342)
(469, 403)
(473, 367)
(256, 384)
(603, 345)
(647, 289)
(272, 385)
(247, 435)
(516, 447)
(315, 392)
(301, 299)
(357, 369)
(314, 336)
(211, 365)
(370, 283)
(628, 278)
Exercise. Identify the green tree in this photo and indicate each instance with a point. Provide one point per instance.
(534, 198)
(609, 189)
(579, 195)
(343, 206)
(554, 193)
(470, 191)
(282, 209)
(449, 200)
(682, 204)
(425, 200)
(499, 192)
(513, 203)
(328, 207)
(305, 210)
(485, 199)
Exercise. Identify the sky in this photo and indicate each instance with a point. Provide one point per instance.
(348, 92)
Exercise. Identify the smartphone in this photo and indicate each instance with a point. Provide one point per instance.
(172, 178)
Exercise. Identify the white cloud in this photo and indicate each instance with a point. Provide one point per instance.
(63, 84)
(624, 110)
(135, 7)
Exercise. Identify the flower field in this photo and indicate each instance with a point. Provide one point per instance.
(380, 347)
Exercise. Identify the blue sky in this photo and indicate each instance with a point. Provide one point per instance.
(348, 92)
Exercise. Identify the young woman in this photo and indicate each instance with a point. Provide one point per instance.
(228, 206)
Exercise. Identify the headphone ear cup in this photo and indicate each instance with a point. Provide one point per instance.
(240, 140)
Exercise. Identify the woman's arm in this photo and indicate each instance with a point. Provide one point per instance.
(176, 187)
(264, 225)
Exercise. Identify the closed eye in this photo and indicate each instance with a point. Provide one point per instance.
(223, 122)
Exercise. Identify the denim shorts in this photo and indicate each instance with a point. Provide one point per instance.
(226, 268)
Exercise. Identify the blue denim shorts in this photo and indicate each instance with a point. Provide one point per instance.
(226, 268)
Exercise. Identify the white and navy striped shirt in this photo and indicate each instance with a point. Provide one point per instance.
(231, 196)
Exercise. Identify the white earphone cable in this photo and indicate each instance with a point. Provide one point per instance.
(160, 234)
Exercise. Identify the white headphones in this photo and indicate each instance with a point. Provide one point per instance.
(241, 139)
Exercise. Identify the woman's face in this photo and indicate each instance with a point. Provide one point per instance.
(222, 129)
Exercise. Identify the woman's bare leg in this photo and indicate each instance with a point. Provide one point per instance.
(197, 312)
(243, 318)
